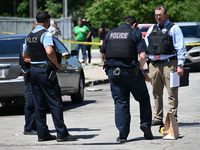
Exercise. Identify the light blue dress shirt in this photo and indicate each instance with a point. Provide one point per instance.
(178, 42)
(46, 40)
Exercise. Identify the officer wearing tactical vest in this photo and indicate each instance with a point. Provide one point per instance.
(38, 50)
(167, 50)
(120, 52)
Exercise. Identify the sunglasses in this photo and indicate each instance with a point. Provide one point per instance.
(159, 15)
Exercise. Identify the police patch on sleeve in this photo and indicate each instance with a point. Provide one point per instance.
(48, 34)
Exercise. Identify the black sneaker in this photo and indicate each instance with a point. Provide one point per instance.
(32, 132)
(47, 138)
(67, 138)
(121, 140)
(147, 132)
(156, 122)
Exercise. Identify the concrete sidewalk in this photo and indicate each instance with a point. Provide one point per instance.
(94, 73)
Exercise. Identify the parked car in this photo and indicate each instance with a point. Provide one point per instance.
(191, 33)
(144, 28)
(71, 77)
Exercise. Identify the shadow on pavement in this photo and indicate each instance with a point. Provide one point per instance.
(182, 124)
(19, 109)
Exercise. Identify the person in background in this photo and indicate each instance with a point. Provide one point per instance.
(102, 33)
(89, 39)
(167, 51)
(38, 49)
(53, 29)
(81, 33)
(34, 25)
(121, 48)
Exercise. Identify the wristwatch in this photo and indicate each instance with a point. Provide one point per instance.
(181, 66)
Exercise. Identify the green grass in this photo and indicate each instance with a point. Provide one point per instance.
(96, 40)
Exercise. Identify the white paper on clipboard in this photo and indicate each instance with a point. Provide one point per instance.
(174, 79)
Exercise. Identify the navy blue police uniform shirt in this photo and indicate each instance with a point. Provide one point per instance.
(136, 36)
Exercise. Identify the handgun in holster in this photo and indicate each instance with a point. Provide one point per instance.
(136, 66)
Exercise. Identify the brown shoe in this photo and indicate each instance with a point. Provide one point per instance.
(156, 122)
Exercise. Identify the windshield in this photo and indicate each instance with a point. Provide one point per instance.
(190, 31)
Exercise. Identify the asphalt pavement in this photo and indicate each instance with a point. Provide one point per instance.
(93, 120)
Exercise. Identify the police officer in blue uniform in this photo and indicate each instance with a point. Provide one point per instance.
(29, 127)
(39, 50)
(120, 51)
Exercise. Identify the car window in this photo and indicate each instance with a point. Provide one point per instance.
(59, 47)
(190, 31)
(143, 29)
(10, 46)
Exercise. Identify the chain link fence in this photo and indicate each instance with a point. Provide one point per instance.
(13, 25)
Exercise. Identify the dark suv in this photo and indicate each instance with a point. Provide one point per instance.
(191, 33)
(71, 77)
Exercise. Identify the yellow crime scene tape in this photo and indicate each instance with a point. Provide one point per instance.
(73, 42)
(84, 43)
(191, 44)
(95, 43)
(7, 32)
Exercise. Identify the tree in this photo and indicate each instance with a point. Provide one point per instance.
(113, 11)
(54, 8)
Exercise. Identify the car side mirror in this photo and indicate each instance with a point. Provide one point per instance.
(74, 52)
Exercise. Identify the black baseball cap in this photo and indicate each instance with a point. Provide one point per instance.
(42, 16)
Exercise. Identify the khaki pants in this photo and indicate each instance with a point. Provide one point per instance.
(160, 74)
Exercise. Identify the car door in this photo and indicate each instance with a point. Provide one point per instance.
(69, 75)
(9, 58)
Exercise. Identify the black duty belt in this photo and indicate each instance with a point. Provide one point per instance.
(40, 65)
(165, 60)
(123, 69)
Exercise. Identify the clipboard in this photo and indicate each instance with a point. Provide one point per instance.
(184, 80)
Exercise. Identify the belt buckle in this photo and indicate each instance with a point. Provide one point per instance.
(156, 57)
(117, 71)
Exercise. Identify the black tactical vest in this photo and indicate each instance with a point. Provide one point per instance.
(37, 51)
(160, 42)
(120, 44)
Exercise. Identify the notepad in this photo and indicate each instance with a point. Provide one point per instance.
(174, 79)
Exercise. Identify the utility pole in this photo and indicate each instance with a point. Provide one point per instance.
(32, 8)
(65, 15)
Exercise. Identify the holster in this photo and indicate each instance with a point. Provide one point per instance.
(25, 73)
(135, 71)
(52, 69)
(105, 67)
(136, 67)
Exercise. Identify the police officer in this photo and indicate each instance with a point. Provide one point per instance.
(167, 51)
(39, 49)
(121, 48)
(29, 127)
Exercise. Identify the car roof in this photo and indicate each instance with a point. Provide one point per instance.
(13, 36)
(186, 23)
(145, 25)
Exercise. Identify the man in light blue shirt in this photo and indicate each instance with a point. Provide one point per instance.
(167, 51)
